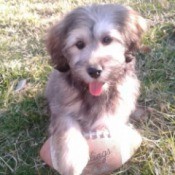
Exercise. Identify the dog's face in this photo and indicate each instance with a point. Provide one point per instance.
(94, 43)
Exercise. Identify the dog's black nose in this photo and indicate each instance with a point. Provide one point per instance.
(94, 72)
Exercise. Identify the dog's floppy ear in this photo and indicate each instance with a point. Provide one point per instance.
(133, 28)
(55, 42)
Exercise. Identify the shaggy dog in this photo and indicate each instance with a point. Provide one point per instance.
(94, 83)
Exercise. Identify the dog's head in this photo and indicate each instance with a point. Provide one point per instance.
(96, 43)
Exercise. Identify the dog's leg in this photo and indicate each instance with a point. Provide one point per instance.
(70, 151)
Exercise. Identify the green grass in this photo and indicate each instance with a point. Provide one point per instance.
(23, 116)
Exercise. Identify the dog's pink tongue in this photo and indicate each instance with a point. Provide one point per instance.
(95, 88)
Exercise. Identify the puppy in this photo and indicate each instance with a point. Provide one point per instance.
(94, 82)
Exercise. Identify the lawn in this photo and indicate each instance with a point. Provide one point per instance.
(23, 109)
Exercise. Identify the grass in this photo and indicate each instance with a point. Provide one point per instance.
(23, 116)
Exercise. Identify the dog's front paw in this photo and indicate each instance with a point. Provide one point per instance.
(70, 153)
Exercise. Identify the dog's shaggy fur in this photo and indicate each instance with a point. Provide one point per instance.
(94, 83)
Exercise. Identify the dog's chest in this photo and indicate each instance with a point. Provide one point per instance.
(93, 109)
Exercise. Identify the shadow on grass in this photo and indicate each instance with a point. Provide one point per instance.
(23, 131)
(157, 67)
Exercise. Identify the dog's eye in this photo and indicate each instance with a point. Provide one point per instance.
(80, 45)
(106, 40)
